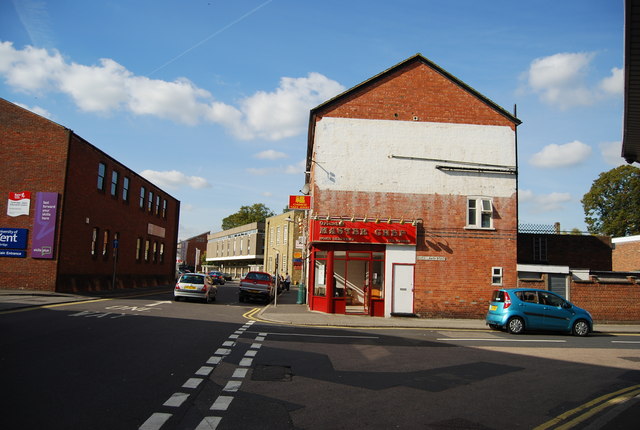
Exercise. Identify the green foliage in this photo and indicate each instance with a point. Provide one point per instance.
(247, 215)
(612, 205)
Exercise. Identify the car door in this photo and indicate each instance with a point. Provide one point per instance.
(531, 309)
(556, 316)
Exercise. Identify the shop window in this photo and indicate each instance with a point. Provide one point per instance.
(94, 241)
(143, 193)
(479, 213)
(125, 189)
(155, 252)
(320, 287)
(377, 279)
(102, 171)
(146, 250)
(115, 176)
(496, 276)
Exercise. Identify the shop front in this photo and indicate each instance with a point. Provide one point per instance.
(353, 262)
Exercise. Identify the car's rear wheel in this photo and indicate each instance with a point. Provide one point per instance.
(515, 325)
(580, 328)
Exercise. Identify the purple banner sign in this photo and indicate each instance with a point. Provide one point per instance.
(44, 226)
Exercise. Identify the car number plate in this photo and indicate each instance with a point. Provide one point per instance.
(493, 308)
(189, 287)
(254, 291)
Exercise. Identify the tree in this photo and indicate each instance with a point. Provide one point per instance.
(612, 205)
(247, 215)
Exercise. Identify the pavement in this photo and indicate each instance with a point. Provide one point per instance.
(284, 310)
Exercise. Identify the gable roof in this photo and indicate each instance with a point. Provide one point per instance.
(417, 58)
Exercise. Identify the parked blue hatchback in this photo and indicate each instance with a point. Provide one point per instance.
(520, 309)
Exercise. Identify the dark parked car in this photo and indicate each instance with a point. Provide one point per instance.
(227, 277)
(218, 277)
(195, 286)
(256, 285)
(522, 309)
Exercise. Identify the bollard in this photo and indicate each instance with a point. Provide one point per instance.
(302, 292)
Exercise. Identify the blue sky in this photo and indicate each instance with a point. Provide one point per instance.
(210, 99)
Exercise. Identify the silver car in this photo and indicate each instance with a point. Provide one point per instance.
(195, 286)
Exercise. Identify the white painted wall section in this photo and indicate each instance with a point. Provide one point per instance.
(354, 154)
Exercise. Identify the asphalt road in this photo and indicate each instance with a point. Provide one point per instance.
(148, 362)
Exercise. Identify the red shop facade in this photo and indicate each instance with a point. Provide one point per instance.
(353, 265)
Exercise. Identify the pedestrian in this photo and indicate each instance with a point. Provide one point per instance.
(287, 281)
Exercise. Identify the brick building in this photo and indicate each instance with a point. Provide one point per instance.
(187, 250)
(412, 175)
(81, 215)
(626, 253)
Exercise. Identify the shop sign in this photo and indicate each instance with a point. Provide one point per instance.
(299, 202)
(19, 203)
(363, 232)
(15, 253)
(13, 238)
(44, 226)
(431, 258)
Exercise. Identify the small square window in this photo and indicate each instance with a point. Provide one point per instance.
(496, 276)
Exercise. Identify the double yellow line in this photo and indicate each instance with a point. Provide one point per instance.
(591, 408)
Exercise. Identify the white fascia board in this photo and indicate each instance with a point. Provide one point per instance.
(542, 268)
(237, 257)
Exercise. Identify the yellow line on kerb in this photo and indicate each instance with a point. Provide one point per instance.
(605, 401)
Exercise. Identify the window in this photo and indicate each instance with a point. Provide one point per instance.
(271, 236)
(143, 193)
(479, 213)
(249, 246)
(320, 287)
(161, 253)
(164, 208)
(138, 248)
(278, 236)
(105, 243)
(496, 276)
(102, 171)
(285, 234)
(539, 249)
(94, 241)
(150, 201)
(146, 250)
(125, 189)
(157, 204)
(155, 252)
(115, 176)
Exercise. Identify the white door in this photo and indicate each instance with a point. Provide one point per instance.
(402, 302)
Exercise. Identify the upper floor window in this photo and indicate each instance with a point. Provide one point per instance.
(150, 201)
(479, 212)
(125, 189)
(143, 193)
(164, 208)
(539, 249)
(102, 171)
(114, 183)
(157, 204)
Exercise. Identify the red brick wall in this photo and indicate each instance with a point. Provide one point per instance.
(87, 208)
(416, 91)
(33, 151)
(608, 301)
(626, 256)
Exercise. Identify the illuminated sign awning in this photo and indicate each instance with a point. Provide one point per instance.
(341, 231)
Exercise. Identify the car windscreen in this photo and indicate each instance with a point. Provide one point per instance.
(259, 276)
(192, 279)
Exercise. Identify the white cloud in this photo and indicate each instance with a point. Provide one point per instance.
(544, 202)
(611, 153)
(174, 179)
(613, 84)
(569, 154)
(270, 154)
(109, 86)
(561, 80)
(295, 169)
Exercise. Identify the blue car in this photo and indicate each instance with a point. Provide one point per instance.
(520, 309)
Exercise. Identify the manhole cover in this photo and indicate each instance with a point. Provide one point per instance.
(266, 372)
